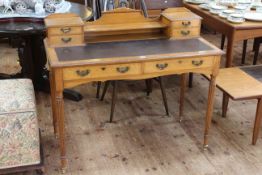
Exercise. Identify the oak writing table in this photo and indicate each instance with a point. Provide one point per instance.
(233, 32)
(127, 60)
(123, 45)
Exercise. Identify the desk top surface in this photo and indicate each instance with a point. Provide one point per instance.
(131, 51)
(241, 82)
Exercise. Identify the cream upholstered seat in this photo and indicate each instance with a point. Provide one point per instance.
(19, 133)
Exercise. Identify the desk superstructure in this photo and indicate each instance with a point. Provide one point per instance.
(123, 45)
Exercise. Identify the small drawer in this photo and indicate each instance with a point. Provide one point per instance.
(178, 64)
(185, 32)
(186, 23)
(66, 40)
(90, 72)
(65, 31)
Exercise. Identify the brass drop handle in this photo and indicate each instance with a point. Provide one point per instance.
(197, 63)
(185, 33)
(66, 29)
(186, 24)
(162, 66)
(66, 40)
(122, 69)
(82, 73)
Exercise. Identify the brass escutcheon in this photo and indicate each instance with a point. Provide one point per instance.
(183, 32)
(82, 73)
(122, 69)
(186, 23)
(162, 66)
(197, 63)
(66, 40)
(65, 29)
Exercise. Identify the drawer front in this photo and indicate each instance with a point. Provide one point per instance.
(178, 64)
(66, 40)
(185, 32)
(186, 23)
(65, 31)
(87, 72)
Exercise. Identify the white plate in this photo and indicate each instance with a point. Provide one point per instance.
(218, 7)
(204, 6)
(228, 11)
(253, 16)
(235, 22)
(222, 15)
(215, 12)
(195, 1)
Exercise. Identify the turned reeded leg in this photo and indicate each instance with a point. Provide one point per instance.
(225, 105)
(98, 89)
(210, 103)
(105, 89)
(182, 96)
(61, 125)
(257, 121)
(53, 101)
(114, 98)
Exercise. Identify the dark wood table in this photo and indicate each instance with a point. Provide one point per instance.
(27, 35)
(233, 32)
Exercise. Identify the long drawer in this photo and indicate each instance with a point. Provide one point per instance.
(89, 72)
(178, 64)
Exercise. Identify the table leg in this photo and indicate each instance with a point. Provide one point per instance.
(225, 105)
(257, 121)
(61, 126)
(210, 101)
(230, 49)
(183, 81)
(53, 102)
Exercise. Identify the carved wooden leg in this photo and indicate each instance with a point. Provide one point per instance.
(104, 90)
(225, 105)
(162, 87)
(114, 98)
(53, 102)
(183, 81)
(98, 89)
(61, 125)
(257, 121)
(244, 52)
(210, 101)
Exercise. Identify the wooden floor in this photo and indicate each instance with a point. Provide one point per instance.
(145, 141)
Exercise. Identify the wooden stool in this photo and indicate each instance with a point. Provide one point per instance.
(149, 89)
(242, 83)
(20, 140)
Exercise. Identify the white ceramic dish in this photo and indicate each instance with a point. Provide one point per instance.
(222, 15)
(215, 12)
(218, 7)
(204, 6)
(230, 19)
(256, 5)
(228, 12)
(253, 16)
(195, 1)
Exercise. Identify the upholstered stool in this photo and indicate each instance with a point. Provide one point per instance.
(19, 132)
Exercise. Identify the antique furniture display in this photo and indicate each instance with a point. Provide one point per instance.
(20, 142)
(114, 94)
(123, 45)
(242, 83)
(233, 32)
(27, 34)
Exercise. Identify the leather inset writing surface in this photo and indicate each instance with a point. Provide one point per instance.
(254, 71)
(130, 48)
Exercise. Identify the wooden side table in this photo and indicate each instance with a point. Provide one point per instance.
(242, 83)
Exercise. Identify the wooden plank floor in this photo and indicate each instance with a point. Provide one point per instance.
(145, 141)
